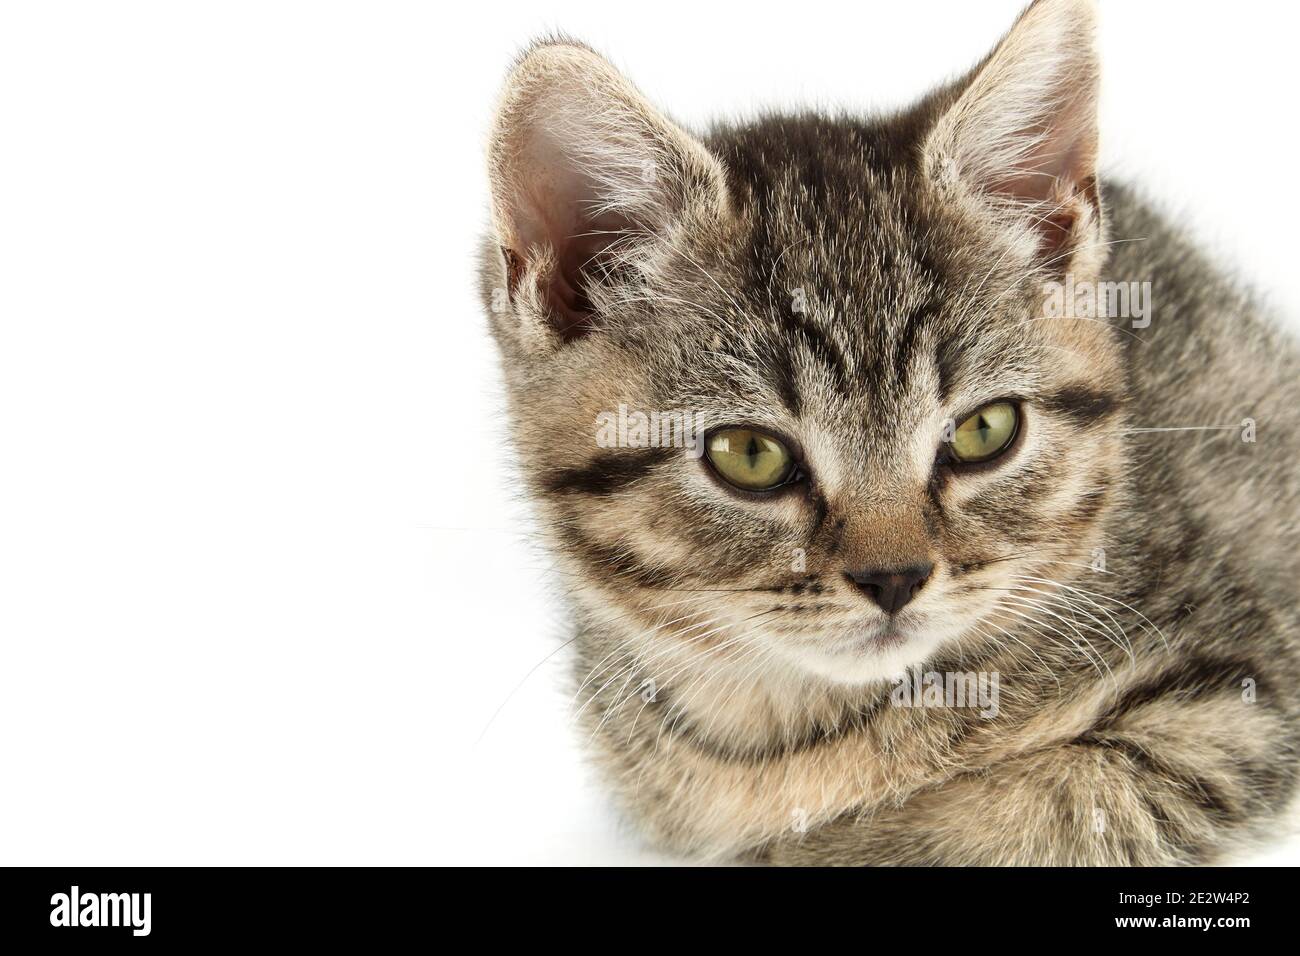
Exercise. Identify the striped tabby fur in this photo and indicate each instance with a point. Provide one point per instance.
(851, 284)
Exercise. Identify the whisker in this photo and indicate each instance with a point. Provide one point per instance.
(1105, 597)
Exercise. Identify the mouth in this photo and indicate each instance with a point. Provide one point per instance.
(865, 651)
(863, 648)
(891, 636)
(875, 637)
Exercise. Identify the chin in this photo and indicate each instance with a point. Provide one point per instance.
(864, 656)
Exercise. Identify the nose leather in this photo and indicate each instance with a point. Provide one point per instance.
(892, 590)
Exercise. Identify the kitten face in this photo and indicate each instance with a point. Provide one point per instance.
(852, 290)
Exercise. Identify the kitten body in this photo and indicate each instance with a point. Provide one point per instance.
(851, 286)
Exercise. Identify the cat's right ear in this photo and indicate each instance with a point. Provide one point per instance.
(588, 179)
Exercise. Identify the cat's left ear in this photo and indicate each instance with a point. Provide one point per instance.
(1021, 137)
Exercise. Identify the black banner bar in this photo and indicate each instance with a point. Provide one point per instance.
(134, 907)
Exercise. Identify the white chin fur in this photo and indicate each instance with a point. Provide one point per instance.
(848, 666)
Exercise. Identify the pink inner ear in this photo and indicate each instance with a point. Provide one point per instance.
(579, 246)
(567, 293)
(1056, 229)
(583, 170)
(1024, 128)
(1056, 181)
(556, 215)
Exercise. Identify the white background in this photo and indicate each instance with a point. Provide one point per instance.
(264, 579)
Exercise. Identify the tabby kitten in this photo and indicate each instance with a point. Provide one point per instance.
(915, 468)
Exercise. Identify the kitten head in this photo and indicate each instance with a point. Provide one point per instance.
(846, 318)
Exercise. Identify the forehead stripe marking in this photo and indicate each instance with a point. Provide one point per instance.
(822, 348)
(905, 344)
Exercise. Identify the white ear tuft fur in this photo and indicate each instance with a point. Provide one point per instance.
(1023, 133)
(583, 170)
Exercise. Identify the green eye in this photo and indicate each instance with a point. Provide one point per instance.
(986, 434)
(749, 459)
